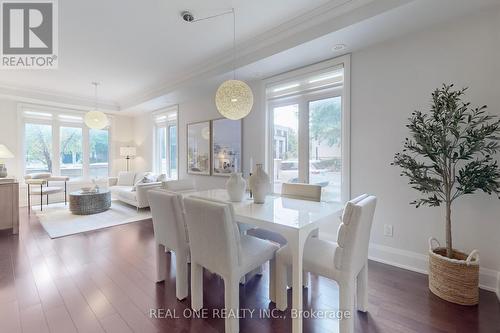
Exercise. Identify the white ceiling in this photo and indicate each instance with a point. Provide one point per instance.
(132, 46)
(142, 51)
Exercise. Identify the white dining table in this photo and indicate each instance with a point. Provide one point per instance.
(294, 219)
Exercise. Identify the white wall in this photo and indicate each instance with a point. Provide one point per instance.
(388, 81)
(9, 134)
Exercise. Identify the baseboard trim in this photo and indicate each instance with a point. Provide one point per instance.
(489, 279)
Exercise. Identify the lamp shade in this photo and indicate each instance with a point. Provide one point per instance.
(96, 119)
(234, 99)
(128, 151)
(5, 152)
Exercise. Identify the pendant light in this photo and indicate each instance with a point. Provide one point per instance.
(96, 119)
(234, 98)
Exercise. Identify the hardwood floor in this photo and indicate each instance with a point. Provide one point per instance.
(103, 281)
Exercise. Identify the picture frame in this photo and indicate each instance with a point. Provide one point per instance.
(226, 147)
(199, 148)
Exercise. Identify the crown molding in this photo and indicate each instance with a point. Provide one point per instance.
(330, 17)
(39, 96)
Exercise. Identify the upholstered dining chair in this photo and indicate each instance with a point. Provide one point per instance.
(170, 234)
(301, 191)
(216, 244)
(290, 190)
(295, 191)
(344, 261)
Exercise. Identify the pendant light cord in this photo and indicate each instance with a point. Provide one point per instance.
(234, 43)
(232, 11)
(96, 84)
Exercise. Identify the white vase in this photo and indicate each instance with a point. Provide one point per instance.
(236, 187)
(259, 184)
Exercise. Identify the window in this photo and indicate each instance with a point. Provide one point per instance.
(70, 148)
(165, 123)
(38, 143)
(99, 153)
(309, 118)
(58, 142)
(286, 149)
(173, 150)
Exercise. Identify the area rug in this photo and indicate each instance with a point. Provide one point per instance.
(58, 221)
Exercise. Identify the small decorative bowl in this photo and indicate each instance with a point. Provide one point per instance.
(86, 189)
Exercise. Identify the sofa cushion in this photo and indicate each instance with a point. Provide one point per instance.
(126, 178)
(128, 196)
(144, 178)
(116, 190)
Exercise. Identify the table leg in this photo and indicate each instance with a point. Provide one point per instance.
(297, 247)
(65, 194)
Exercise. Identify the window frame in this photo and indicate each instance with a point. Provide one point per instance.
(56, 122)
(303, 101)
(156, 143)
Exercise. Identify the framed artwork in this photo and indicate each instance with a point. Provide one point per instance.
(226, 147)
(198, 148)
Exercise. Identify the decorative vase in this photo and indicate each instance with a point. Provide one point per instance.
(259, 184)
(236, 187)
(454, 280)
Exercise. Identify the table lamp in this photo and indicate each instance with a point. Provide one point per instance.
(128, 152)
(4, 153)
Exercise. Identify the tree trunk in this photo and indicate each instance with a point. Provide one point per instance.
(449, 246)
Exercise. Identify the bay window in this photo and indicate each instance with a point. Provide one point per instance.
(309, 128)
(57, 141)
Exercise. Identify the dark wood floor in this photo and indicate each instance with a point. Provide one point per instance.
(103, 281)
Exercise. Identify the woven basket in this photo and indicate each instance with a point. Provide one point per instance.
(455, 280)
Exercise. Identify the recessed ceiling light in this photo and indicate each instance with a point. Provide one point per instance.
(338, 47)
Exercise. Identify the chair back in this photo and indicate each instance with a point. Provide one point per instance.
(213, 234)
(168, 219)
(301, 191)
(354, 234)
(182, 185)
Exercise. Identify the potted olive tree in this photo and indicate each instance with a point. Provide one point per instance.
(450, 153)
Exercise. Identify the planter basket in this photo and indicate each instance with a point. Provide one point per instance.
(455, 280)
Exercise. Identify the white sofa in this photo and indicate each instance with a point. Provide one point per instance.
(128, 188)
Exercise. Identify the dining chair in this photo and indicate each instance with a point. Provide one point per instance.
(216, 244)
(295, 191)
(181, 185)
(344, 261)
(290, 190)
(301, 191)
(170, 234)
